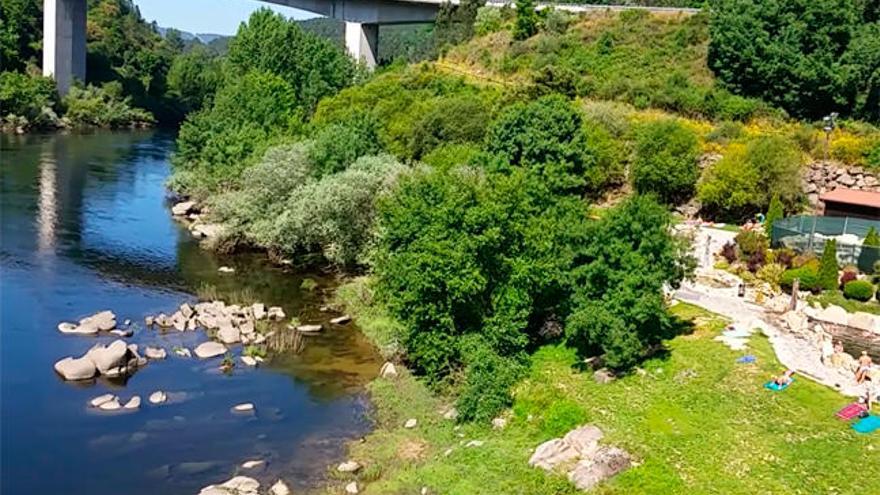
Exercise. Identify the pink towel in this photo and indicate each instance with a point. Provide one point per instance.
(851, 411)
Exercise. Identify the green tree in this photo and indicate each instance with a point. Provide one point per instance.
(618, 307)
(455, 119)
(314, 67)
(194, 77)
(546, 136)
(455, 23)
(747, 178)
(796, 53)
(20, 32)
(775, 212)
(526, 24)
(665, 162)
(338, 145)
(828, 266)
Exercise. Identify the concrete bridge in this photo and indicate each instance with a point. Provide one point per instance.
(64, 26)
(64, 29)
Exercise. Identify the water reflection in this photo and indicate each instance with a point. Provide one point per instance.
(84, 226)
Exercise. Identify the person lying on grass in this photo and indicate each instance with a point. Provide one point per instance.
(784, 379)
(865, 363)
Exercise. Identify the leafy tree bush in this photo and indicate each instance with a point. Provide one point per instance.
(314, 67)
(448, 156)
(92, 106)
(617, 303)
(488, 380)
(194, 77)
(808, 276)
(555, 21)
(775, 213)
(746, 179)
(860, 290)
(828, 266)
(771, 273)
(547, 136)
(449, 120)
(666, 161)
(464, 253)
(20, 32)
(809, 57)
(217, 142)
(30, 97)
(488, 20)
(338, 145)
(526, 24)
(750, 242)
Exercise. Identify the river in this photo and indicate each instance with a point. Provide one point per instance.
(86, 227)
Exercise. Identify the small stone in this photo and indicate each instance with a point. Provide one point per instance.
(67, 327)
(352, 488)
(424, 490)
(348, 467)
(183, 352)
(259, 310)
(309, 328)
(341, 320)
(253, 464)
(388, 370)
(207, 350)
(127, 322)
(101, 399)
(603, 376)
(182, 208)
(245, 407)
(276, 313)
(133, 403)
(122, 333)
(229, 335)
(474, 443)
(249, 360)
(279, 488)
(110, 405)
(451, 414)
(226, 269)
(447, 452)
(155, 353)
(186, 310)
(410, 423)
(158, 397)
(499, 423)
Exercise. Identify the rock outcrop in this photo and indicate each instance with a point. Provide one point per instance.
(821, 177)
(579, 454)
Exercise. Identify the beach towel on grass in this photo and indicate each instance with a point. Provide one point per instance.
(867, 425)
(851, 411)
(771, 385)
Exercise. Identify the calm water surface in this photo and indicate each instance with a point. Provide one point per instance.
(86, 227)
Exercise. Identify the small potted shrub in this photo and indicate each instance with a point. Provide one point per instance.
(860, 290)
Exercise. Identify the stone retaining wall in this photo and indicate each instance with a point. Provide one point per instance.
(821, 177)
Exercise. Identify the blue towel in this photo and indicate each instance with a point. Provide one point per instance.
(771, 385)
(747, 359)
(867, 425)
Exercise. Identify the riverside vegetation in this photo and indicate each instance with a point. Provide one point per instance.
(461, 190)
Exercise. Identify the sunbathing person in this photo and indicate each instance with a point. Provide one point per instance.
(784, 379)
(865, 363)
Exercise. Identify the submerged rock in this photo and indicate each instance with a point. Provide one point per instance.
(101, 399)
(244, 407)
(158, 397)
(279, 488)
(155, 353)
(111, 405)
(207, 350)
(248, 360)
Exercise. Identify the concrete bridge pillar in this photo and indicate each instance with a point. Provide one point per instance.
(362, 42)
(64, 41)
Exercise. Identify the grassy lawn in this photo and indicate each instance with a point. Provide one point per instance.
(696, 422)
(836, 297)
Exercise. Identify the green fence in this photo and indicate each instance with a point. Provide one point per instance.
(809, 233)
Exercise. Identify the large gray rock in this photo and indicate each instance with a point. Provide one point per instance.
(607, 462)
(553, 453)
(207, 350)
(279, 488)
(833, 314)
(239, 485)
(182, 208)
(585, 440)
(229, 334)
(259, 310)
(111, 356)
(98, 322)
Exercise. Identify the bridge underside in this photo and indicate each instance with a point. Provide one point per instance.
(64, 29)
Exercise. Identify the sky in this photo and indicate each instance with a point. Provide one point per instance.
(207, 16)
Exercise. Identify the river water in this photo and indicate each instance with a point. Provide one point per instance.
(86, 227)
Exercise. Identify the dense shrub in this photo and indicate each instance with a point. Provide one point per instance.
(860, 290)
(750, 242)
(807, 274)
(450, 120)
(729, 252)
(526, 23)
(547, 136)
(828, 266)
(745, 180)
(92, 106)
(784, 256)
(488, 379)
(771, 273)
(32, 98)
(666, 161)
(617, 304)
(193, 78)
(447, 156)
(489, 20)
(338, 145)
(467, 253)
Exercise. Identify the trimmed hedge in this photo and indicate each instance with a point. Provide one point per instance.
(808, 274)
(860, 290)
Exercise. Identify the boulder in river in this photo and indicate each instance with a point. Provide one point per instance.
(243, 408)
(97, 401)
(76, 368)
(259, 310)
(155, 352)
(239, 485)
(249, 360)
(183, 208)
(158, 397)
(341, 320)
(133, 403)
(253, 464)
(111, 405)
(111, 356)
(279, 488)
(207, 350)
(229, 334)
